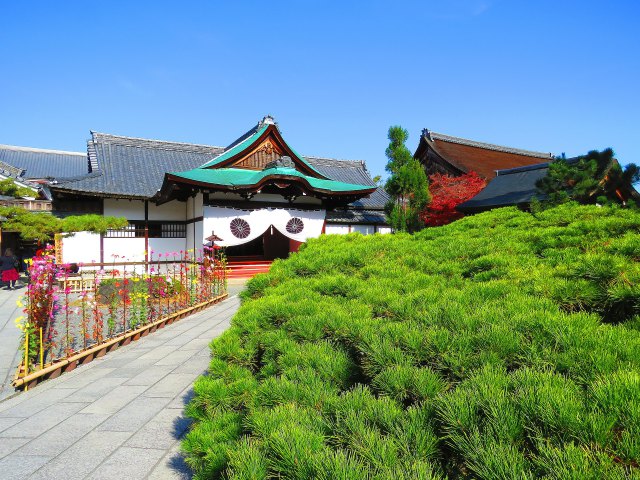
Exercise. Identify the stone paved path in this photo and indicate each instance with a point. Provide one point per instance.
(119, 417)
(9, 339)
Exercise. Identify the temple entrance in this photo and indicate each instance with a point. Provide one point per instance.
(254, 248)
(270, 245)
(276, 245)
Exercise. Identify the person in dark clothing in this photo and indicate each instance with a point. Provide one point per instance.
(9, 265)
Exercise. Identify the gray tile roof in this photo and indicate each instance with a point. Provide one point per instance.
(9, 171)
(38, 163)
(351, 171)
(135, 167)
(514, 186)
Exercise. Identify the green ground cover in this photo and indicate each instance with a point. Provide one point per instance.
(504, 345)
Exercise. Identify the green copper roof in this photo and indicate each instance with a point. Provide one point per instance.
(236, 177)
(248, 143)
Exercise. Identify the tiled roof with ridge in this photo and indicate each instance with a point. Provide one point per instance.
(38, 163)
(130, 167)
(483, 158)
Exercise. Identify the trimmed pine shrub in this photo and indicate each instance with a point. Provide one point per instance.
(504, 345)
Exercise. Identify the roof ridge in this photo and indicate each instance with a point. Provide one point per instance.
(341, 160)
(40, 150)
(487, 146)
(153, 140)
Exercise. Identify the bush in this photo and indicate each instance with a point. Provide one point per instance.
(504, 345)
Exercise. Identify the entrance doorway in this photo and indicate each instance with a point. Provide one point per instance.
(270, 245)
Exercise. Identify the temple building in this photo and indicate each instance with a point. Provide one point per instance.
(455, 156)
(511, 173)
(257, 197)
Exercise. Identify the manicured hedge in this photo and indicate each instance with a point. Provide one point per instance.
(505, 345)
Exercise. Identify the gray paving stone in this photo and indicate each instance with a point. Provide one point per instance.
(62, 436)
(196, 344)
(171, 467)
(26, 404)
(18, 468)
(134, 415)
(117, 398)
(82, 457)
(42, 421)
(129, 463)
(9, 445)
(80, 377)
(176, 358)
(6, 422)
(150, 375)
(183, 398)
(170, 386)
(165, 429)
(160, 352)
(194, 366)
(96, 389)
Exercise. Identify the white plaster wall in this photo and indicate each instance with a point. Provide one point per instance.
(82, 247)
(131, 209)
(363, 229)
(166, 245)
(196, 208)
(384, 230)
(200, 235)
(131, 248)
(338, 228)
(173, 210)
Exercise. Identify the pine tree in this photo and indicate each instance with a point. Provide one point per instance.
(407, 185)
(596, 177)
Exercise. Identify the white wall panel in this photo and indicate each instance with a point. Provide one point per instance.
(167, 245)
(82, 247)
(131, 248)
(173, 210)
(338, 228)
(363, 229)
(130, 209)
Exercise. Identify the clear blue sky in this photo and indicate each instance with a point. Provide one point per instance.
(549, 75)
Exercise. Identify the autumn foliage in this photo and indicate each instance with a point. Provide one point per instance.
(447, 192)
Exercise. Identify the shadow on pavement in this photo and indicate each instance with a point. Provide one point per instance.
(180, 427)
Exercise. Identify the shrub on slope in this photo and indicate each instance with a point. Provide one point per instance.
(504, 345)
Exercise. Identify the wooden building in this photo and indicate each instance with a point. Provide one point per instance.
(258, 195)
(456, 156)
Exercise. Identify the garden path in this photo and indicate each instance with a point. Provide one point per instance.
(121, 416)
(9, 339)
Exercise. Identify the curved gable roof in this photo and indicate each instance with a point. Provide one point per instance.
(485, 159)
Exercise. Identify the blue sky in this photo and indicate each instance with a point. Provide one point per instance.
(545, 75)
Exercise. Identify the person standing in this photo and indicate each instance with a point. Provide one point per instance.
(9, 266)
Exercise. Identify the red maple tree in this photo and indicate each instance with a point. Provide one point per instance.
(447, 192)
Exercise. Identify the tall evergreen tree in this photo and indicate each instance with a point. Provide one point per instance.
(408, 185)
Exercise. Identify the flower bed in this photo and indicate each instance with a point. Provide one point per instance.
(69, 313)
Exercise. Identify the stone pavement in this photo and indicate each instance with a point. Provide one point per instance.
(9, 339)
(120, 416)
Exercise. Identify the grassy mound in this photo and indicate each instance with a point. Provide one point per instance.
(505, 345)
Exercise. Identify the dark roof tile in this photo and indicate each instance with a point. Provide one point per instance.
(39, 163)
